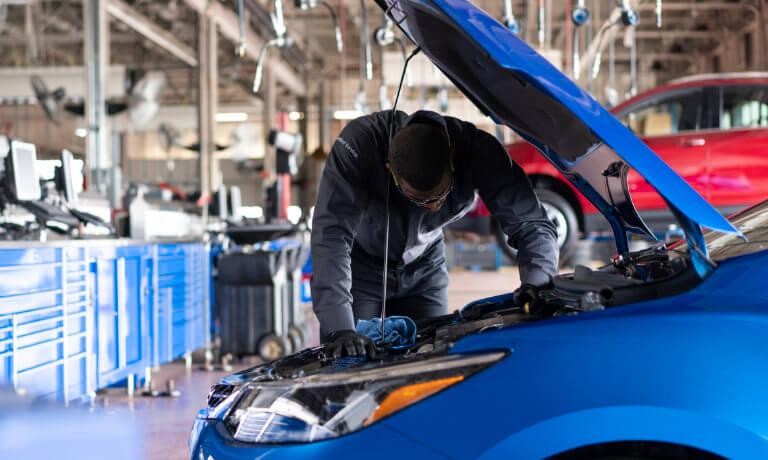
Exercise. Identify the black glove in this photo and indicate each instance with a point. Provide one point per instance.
(349, 343)
(527, 298)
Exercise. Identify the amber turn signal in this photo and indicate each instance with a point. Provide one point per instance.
(407, 395)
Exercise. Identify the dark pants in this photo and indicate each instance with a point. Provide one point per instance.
(417, 290)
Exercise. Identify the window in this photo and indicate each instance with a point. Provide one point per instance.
(744, 107)
(669, 115)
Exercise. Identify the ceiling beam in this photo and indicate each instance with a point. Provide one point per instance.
(152, 32)
(664, 34)
(227, 21)
(698, 6)
(661, 56)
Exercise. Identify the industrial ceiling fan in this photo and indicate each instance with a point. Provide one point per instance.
(141, 103)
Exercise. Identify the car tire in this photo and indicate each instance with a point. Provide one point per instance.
(563, 217)
(296, 338)
(272, 347)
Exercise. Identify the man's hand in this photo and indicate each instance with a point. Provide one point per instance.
(349, 343)
(527, 298)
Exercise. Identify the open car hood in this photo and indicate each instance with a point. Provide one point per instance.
(515, 86)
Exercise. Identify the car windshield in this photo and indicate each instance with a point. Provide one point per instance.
(753, 223)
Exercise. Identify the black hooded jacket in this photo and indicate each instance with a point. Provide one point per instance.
(350, 208)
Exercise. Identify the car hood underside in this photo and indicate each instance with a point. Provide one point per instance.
(515, 86)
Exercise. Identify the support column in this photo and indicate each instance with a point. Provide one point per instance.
(324, 116)
(304, 191)
(207, 103)
(269, 117)
(98, 157)
(303, 107)
(269, 122)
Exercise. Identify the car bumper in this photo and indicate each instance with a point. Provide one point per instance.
(209, 440)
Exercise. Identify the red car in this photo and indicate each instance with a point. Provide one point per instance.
(711, 129)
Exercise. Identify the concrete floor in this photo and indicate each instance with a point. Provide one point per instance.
(163, 424)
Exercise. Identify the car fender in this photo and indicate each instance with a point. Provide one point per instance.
(629, 423)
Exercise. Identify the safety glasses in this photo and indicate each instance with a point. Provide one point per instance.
(431, 200)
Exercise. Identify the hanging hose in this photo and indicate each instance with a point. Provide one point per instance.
(611, 94)
(306, 5)
(579, 17)
(241, 25)
(633, 63)
(576, 54)
(336, 28)
(509, 18)
(281, 40)
(541, 19)
(257, 76)
(598, 49)
(658, 14)
(365, 38)
(278, 20)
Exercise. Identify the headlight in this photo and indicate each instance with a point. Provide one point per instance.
(328, 405)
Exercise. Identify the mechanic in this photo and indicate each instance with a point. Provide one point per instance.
(431, 168)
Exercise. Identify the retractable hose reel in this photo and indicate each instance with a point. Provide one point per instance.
(630, 19)
(579, 16)
(623, 15)
(629, 16)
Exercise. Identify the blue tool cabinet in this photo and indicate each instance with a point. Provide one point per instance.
(121, 301)
(77, 316)
(182, 309)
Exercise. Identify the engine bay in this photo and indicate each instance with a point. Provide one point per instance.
(651, 273)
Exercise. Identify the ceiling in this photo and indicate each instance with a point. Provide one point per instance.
(50, 33)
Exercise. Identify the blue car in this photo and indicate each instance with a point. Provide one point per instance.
(661, 353)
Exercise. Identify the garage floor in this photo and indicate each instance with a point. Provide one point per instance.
(163, 424)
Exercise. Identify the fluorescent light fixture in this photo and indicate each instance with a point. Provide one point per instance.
(81, 132)
(295, 116)
(347, 114)
(231, 117)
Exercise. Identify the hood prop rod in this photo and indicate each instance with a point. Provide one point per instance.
(391, 134)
